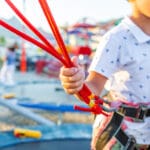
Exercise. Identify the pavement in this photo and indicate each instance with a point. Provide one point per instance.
(32, 87)
(38, 88)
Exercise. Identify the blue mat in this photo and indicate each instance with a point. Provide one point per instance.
(74, 136)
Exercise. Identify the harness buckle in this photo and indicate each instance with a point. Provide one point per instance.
(130, 143)
(141, 112)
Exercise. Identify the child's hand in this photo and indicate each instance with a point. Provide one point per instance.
(72, 79)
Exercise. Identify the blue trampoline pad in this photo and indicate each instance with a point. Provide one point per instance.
(62, 137)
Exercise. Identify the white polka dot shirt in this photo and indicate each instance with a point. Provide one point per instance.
(126, 48)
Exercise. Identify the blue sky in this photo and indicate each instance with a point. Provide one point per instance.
(69, 11)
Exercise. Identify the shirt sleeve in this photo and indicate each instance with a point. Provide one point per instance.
(106, 59)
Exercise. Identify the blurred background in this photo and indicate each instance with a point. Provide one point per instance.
(36, 97)
(81, 25)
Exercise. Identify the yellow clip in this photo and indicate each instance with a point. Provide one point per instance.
(27, 133)
(91, 96)
(92, 103)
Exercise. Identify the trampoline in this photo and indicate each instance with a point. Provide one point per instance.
(63, 137)
(67, 136)
(56, 144)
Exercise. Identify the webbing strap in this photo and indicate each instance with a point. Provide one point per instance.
(136, 113)
(111, 129)
(128, 142)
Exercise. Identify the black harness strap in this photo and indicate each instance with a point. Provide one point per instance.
(138, 113)
(113, 129)
(128, 142)
(113, 126)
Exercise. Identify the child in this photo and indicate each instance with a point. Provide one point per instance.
(125, 48)
(8, 67)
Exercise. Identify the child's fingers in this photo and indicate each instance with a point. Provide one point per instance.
(68, 71)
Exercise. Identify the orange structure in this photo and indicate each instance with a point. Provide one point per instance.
(23, 63)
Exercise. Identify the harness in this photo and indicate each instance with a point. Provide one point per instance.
(96, 105)
(113, 129)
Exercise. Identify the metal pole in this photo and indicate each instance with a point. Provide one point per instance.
(25, 112)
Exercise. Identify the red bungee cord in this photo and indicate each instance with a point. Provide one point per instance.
(49, 50)
(94, 102)
(54, 28)
(35, 31)
(85, 94)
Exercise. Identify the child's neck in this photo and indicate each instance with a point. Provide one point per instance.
(142, 21)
